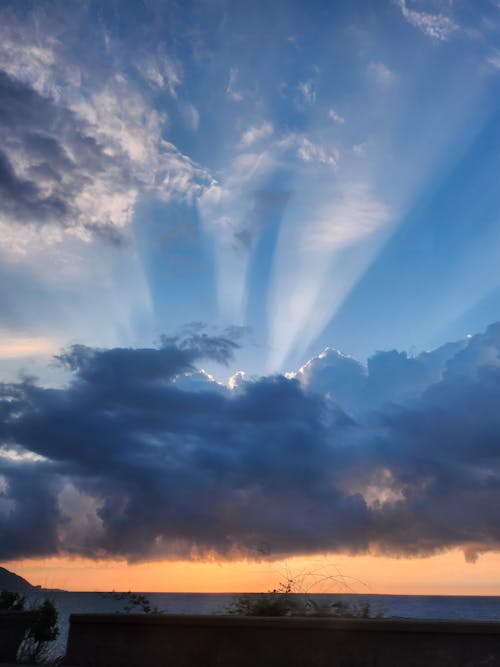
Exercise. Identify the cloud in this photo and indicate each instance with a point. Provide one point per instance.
(256, 133)
(307, 92)
(162, 72)
(337, 118)
(381, 74)
(387, 377)
(127, 461)
(436, 26)
(52, 169)
(307, 151)
(359, 149)
(191, 116)
(74, 157)
(231, 90)
(318, 263)
(494, 59)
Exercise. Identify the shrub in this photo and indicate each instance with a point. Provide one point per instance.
(42, 630)
(287, 600)
(278, 602)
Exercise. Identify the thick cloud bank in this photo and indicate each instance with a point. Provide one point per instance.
(141, 456)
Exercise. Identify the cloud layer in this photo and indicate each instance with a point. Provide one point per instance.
(143, 457)
(82, 136)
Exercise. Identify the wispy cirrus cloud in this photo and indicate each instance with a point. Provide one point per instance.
(232, 91)
(381, 74)
(161, 71)
(256, 133)
(436, 26)
(494, 59)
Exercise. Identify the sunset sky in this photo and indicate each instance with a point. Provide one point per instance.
(250, 294)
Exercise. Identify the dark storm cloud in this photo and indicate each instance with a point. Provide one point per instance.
(28, 523)
(124, 462)
(22, 198)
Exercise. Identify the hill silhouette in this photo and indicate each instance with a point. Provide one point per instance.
(9, 581)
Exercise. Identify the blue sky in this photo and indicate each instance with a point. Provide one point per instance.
(238, 186)
(319, 174)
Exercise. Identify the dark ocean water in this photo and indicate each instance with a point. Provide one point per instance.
(480, 608)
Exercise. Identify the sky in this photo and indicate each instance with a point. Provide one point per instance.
(249, 293)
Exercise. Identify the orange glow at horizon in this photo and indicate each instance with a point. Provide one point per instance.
(445, 574)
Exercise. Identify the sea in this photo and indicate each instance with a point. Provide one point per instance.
(479, 608)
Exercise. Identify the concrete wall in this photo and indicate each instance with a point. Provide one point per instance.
(118, 640)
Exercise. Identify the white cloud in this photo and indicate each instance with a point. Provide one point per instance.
(436, 26)
(381, 74)
(161, 71)
(359, 149)
(355, 216)
(191, 116)
(231, 90)
(19, 455)
(256, 133)
(198, 380)
(171, 74)
(307, 92)
(236, 380)
(337, 118)
(494, 59)
(307, 151)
